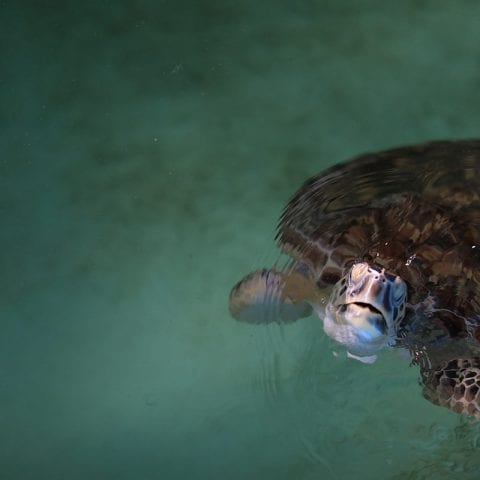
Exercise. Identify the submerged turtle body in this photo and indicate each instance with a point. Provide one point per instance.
(390, 242)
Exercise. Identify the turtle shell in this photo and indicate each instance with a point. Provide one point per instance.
(414, 211)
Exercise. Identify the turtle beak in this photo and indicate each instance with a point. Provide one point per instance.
(368, 321)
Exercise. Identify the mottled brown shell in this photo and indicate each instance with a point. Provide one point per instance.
(413, 210)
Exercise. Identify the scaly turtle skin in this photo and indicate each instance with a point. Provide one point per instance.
(385, 249)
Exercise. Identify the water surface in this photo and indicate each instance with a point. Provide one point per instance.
(147, 152)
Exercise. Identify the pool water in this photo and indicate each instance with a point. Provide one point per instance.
(148, 149)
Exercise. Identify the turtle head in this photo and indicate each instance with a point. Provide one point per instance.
(364, 310)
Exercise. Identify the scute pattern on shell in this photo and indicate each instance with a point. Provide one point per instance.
(445, 172)
(455, 385)
(412, 210)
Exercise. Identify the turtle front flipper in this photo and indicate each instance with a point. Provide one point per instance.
(266, 296)
(455, 385)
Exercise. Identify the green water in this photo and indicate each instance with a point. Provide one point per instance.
(147, 149)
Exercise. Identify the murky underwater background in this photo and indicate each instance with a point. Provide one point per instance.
(147, 149)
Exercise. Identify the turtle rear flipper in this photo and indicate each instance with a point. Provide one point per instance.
(455, 385)
(266, 296)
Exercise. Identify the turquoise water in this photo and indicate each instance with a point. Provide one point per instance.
(147, 151)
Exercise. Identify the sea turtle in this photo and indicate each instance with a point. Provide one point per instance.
(385, 249)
